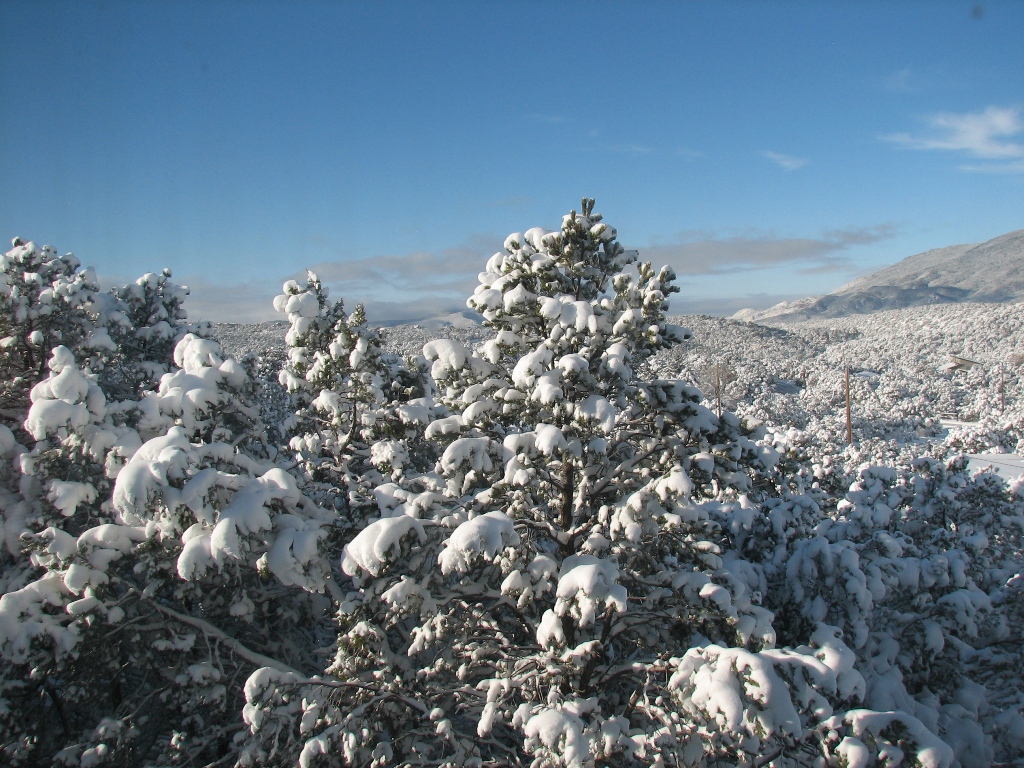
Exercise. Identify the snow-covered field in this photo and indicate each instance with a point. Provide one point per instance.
(793, 375)
(578, 535)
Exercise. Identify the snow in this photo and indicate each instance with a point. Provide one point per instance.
(484, 536)
(446, 355)
(1009, 465)
(543, 524)
(472, 452)
(145, 477)
(379, 544)
(562, 732)
(932, 752)
(598, 409)
(64, 401)
(67, 496)
(549, 631)
(586, 583)
(250, 512)
(24, 617)
(530, 366)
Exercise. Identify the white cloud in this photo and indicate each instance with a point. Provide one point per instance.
(789, 162)
(982, 135)
(248, 302)
(393, 288)
(432, 271)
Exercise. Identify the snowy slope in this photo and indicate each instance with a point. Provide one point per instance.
(793, 375)
(988, 272)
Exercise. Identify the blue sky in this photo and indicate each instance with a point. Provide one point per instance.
(767, 150)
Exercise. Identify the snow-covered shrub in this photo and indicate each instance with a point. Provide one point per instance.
(153, 556)
(916, 565)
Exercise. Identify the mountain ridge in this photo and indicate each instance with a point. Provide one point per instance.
(992, 271)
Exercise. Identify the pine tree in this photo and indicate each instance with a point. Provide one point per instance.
(153, 548)
(46, 300)
(145, 320)
(345, 393)
(563, 579)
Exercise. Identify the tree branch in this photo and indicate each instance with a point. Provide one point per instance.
(220, 635)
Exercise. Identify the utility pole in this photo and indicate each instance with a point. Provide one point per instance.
(1002, 390)
(849, 420)
(718, 388)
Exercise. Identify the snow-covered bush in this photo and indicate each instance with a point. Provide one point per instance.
(918, 566)
(152, 554)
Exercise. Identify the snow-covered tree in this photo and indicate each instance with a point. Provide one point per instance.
(154, 556)
(566, 584)
(533, 544)
(46, 300)
(345, 391)
(145, 320)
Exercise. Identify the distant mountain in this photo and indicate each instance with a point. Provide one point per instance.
(987, 272)
(464, 319)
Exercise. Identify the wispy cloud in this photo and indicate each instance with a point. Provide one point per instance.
(405, 287)
(393, 288)
(985, 135)
(704, 253)
(900, 81)
(401, 288)
(235, 302)
(789, 162)
(541, 118)
(219, 302)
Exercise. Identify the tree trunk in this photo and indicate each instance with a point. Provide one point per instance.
(565, 516)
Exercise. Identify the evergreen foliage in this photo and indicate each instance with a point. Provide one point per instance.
(544, 547)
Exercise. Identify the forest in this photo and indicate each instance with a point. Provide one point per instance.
(578, 534)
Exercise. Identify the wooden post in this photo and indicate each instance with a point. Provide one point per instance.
(849, 420)
(1002, 390)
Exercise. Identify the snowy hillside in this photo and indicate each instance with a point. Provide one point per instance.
(988, 272)
(791, 375)
(901, 384)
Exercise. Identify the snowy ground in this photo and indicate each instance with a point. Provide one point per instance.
(793, 375)
(1009, 465)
